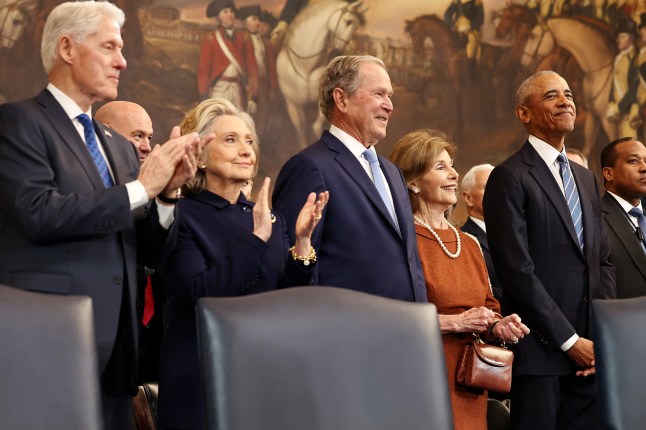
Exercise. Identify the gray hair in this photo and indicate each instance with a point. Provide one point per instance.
(201, 119)
(342, 72)
(525, 89)
(469, 179)
(77, 20)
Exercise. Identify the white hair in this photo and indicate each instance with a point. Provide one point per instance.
(77, 20)
(469, 180)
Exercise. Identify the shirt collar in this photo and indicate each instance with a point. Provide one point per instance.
(546, 151)
(625, 205)
(353, 145)
(480, 223)
(69, 106)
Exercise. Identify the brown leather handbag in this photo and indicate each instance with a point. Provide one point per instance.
(485, 366)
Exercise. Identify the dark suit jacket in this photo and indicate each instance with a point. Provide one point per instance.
(215, 255)
(546, 279)
(473, 228)
(626, 252)
(63, 232)
(357, 242)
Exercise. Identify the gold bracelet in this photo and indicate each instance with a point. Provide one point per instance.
(309, 259)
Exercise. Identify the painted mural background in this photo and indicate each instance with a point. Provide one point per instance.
(434, 86)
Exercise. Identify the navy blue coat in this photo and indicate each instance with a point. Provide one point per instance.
(215, 255)
(358, 245)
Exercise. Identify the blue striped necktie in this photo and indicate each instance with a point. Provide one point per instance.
(572, 198)
(380, 182)
(93, 147)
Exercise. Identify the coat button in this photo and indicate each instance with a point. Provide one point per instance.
(118, 280)
(246, 209)
(586, 300)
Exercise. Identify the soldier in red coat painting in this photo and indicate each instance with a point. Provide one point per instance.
(227, 65)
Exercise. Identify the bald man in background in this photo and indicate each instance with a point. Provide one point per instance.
(131, 121)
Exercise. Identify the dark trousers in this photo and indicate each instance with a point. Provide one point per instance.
(554, 402)
(118, 378)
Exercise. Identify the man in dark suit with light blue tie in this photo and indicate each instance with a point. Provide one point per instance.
(75, 208)
(366, 239)
(551, 255)
(623, 164)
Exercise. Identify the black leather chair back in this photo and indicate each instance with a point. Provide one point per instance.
(620, 354)
(322, 358)
(48, 364)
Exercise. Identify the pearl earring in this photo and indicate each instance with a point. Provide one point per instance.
(414, 189)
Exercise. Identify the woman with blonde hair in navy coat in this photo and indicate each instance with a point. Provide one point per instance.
(226, 246)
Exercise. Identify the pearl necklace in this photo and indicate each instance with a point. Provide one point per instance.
(421, 222)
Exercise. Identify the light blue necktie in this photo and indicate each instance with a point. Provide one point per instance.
(380, 182)
(641, 221)
(572, 198)
(93, 147)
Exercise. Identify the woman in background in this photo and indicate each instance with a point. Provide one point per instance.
(455, 272)
(226, 246)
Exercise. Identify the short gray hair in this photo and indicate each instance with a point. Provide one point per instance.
(525, 89)
(342, 72)
(77, 20)
(469, 179)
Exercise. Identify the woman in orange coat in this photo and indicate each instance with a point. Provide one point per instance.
(454, 268)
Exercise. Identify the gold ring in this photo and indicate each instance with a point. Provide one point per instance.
(316, 218)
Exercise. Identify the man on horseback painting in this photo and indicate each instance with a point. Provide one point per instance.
(227, 65)
(466, 18)
(623, 109)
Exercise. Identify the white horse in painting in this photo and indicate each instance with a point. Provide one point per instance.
(14, 17)
(594, 52)
(318, 30)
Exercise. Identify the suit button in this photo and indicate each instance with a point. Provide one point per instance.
(586, 300)
(118, 280)
(246, 209)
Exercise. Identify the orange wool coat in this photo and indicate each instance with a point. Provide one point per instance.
(454, 286)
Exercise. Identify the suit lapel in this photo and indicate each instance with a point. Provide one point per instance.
(63, 126)
(479, 233)
(354, 170)
(545, 180)
(114, 157)
(620, 226)
(587, 195)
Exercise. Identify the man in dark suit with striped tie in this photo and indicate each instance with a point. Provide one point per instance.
(551, 255)
(623, 164)
(76, 210)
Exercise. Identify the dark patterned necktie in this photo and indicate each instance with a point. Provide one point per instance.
(641, 221)
(93, 147)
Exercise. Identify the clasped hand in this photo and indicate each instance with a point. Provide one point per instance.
(171, 164)
(510, 329)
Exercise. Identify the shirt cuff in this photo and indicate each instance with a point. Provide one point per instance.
(568, 343)
(137, 194)
(138, 197)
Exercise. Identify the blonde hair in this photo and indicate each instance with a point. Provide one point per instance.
(201, 119)
(414, 154)
(77, 20)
